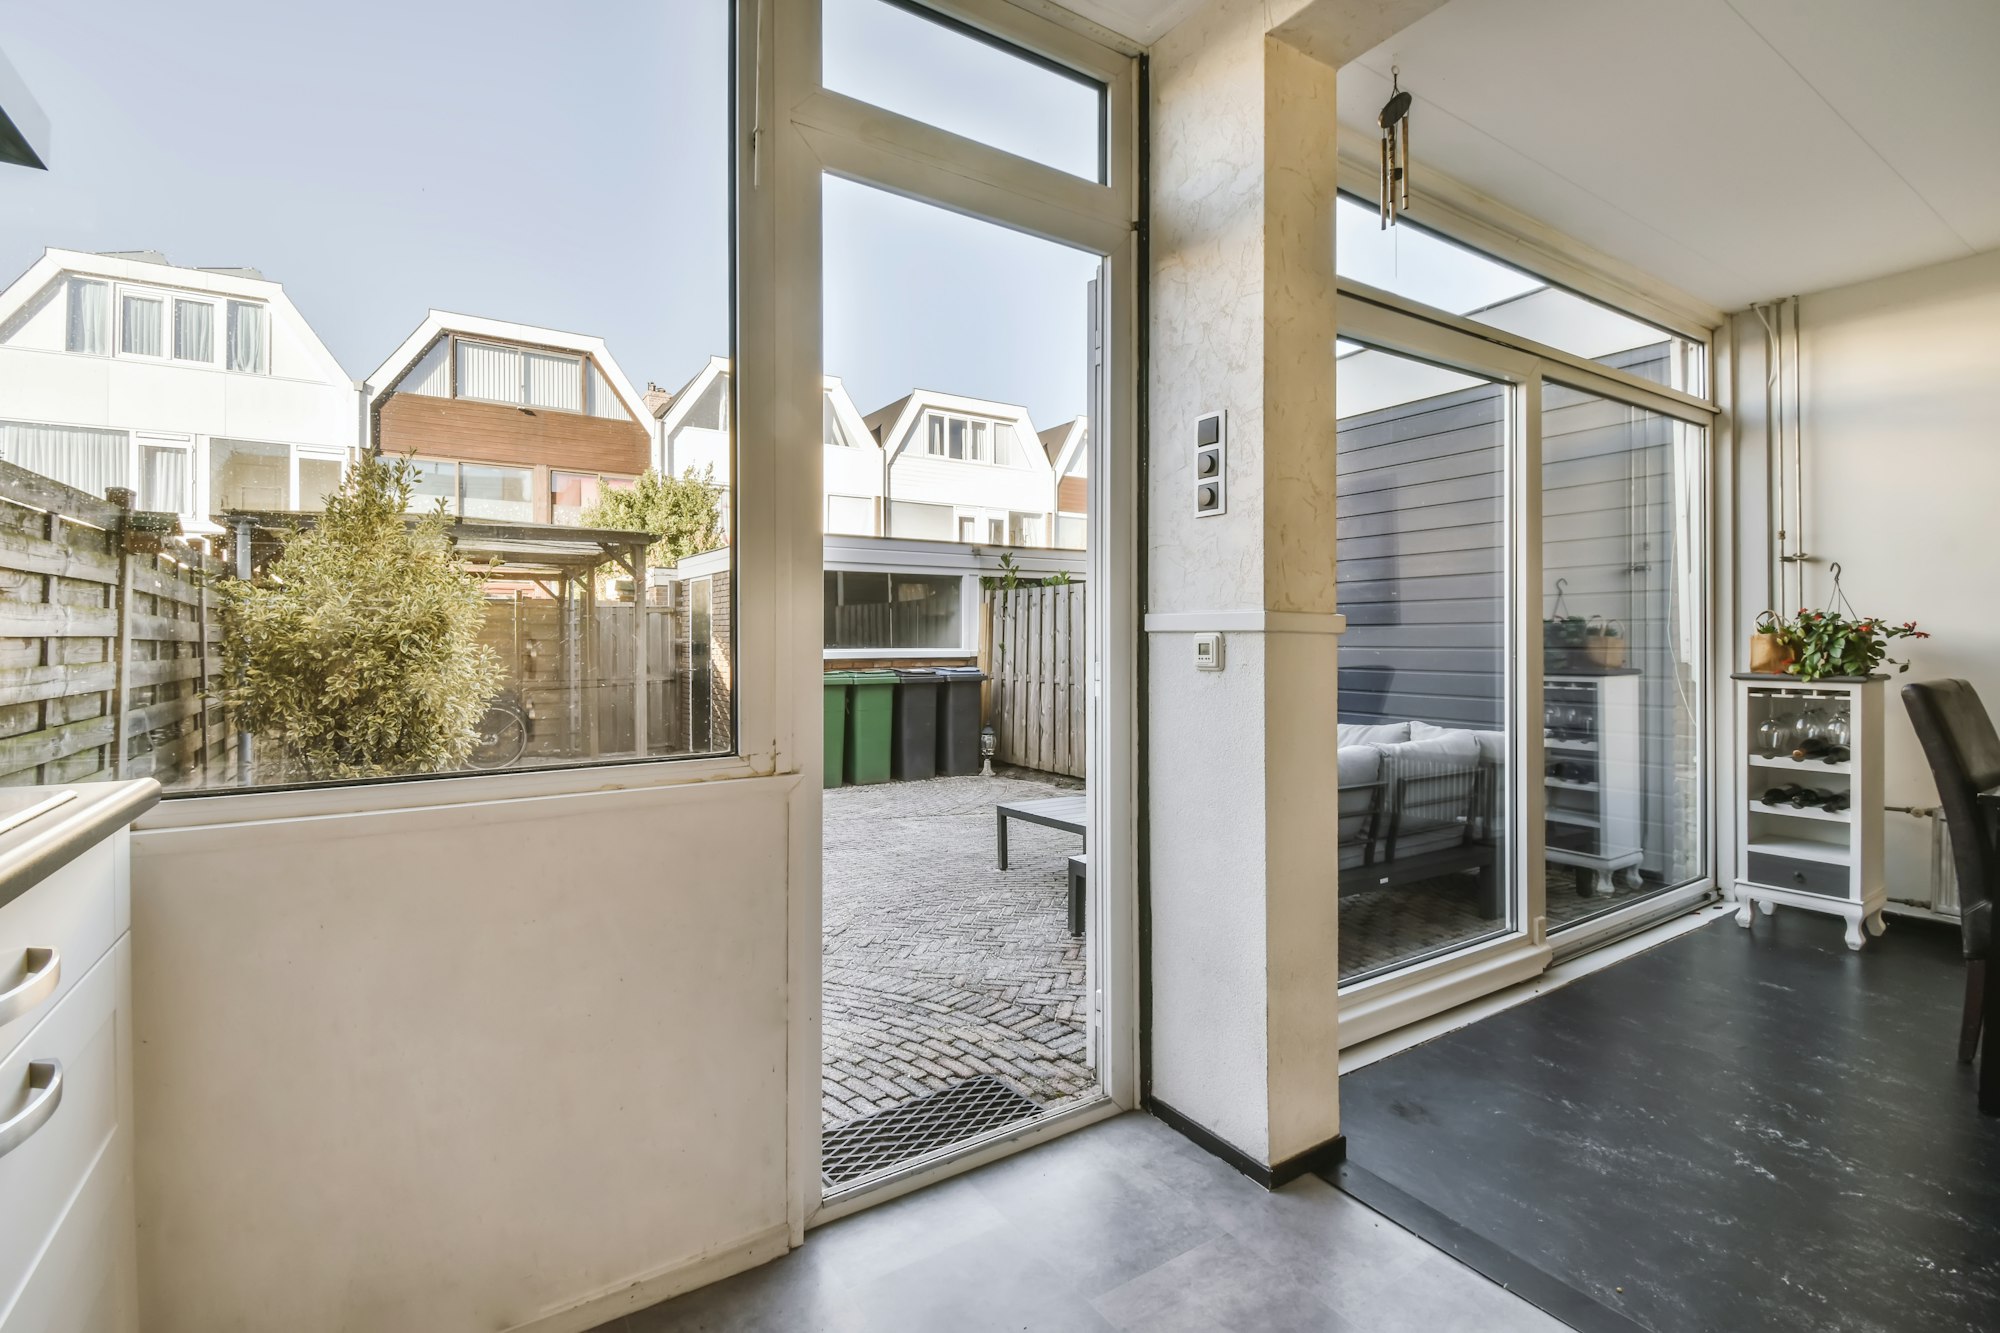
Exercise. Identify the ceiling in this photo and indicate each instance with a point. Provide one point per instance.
(1739, 149)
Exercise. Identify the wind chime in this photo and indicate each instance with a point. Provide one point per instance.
(1395, 123)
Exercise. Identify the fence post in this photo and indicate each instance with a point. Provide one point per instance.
(121, 645)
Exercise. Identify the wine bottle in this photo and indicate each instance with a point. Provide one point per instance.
(1806, 797)
(1811, 748)
(1782, 795)
(1836, 802)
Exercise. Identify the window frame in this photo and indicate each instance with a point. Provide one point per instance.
(109, 289)
(216, 331)
(158, 297)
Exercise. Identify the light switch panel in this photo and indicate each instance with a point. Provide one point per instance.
(1211, 464)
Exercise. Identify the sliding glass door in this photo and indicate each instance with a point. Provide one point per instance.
(1424, 681)
(1622, 657)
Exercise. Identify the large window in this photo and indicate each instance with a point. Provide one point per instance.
(873, 611)
(505, 639)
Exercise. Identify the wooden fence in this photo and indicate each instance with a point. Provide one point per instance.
(1040, 662)
(106, 645)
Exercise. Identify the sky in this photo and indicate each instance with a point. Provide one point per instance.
(513, 160)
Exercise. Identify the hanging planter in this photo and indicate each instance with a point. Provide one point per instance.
(1836, 642)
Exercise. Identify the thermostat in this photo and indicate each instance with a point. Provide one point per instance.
(1208, 652)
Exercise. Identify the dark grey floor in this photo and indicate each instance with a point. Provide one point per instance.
(1124, 1225)
(1737, 1130)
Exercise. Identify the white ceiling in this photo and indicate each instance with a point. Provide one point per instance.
(1144, 21)
(1740, 149)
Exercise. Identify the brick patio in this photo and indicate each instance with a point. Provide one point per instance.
(937, 966)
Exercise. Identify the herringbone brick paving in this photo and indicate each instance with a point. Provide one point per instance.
(937, 965)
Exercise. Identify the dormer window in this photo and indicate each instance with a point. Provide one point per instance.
(969, 439)
(106, 318)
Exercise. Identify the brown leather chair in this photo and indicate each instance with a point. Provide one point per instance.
(1964, 753)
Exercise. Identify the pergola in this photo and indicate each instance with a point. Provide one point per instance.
(559, 559)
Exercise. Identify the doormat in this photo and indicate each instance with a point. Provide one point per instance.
(887, 1138)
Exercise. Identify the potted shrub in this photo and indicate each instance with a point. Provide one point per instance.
(1816, 645)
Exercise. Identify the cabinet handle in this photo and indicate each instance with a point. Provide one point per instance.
(45, 1082)
(44, 970)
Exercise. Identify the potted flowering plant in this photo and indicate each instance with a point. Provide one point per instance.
(1827, 643)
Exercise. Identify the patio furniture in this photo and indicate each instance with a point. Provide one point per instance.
(1413, 810)
(1069, 813)
(1079, 872)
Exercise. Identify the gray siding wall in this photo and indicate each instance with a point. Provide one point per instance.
(1423, 565)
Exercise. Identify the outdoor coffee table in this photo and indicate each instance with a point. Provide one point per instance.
(1069, 813)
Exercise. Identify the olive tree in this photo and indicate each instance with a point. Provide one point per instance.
(684, 513)
(356, 652)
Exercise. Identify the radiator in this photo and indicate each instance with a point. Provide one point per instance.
(1944, 875)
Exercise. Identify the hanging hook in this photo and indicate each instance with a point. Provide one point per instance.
(1560, 611)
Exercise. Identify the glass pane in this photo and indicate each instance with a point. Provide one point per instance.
(874, 611)
(1423, 266)
(246, 475)
(246, 337)
(142, 319)
(903, 59)
(1621, 516)
(504, 493)
(538, 650)
(163, 478)
(194, 331)
(1424, 746)
(433, 482)
(89, 325)
(318, 478)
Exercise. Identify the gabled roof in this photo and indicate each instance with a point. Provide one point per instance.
(437, 323)
(675, 409)
(157, 272)
(1065, 444)
(891, 424)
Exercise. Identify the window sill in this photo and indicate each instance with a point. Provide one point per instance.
(220, 807)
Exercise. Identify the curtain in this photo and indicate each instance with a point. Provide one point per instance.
(489, 372)
(142, 318)
(554, 381)
(90, 460)
(89, 317)
(163, 478)
(194, 331)
(246, 337)
(604, 400)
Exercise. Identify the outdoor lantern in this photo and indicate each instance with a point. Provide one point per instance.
(989, 740)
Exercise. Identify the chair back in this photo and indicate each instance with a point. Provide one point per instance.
(1964, 753)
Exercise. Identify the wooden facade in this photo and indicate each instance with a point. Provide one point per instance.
(1039, 662)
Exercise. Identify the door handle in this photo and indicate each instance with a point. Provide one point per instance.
(45, 1083)
(44, 970)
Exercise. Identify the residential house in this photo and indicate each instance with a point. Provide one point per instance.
(1068, 448)
(507, 421)
(202, 389)
(963, 469)
(692, 433)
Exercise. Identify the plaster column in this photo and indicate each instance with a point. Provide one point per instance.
(1242, 766)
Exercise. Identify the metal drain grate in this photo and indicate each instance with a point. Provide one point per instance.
(935, 1120)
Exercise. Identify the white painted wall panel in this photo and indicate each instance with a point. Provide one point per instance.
(462, 1067)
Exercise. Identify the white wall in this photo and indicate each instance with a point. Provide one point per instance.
(1902, 462)
(458, 1068)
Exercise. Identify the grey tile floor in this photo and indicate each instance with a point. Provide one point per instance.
(1124, 1225)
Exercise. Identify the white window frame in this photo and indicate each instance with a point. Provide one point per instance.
(159, 296)
(141, 440)
(222, 336)
(318, 453)
(110, 289)
(218, 329)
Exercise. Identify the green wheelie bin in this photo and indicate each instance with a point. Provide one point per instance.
(870, 724)
(836, 685)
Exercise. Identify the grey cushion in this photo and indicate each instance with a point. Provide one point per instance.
(1354, 733)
